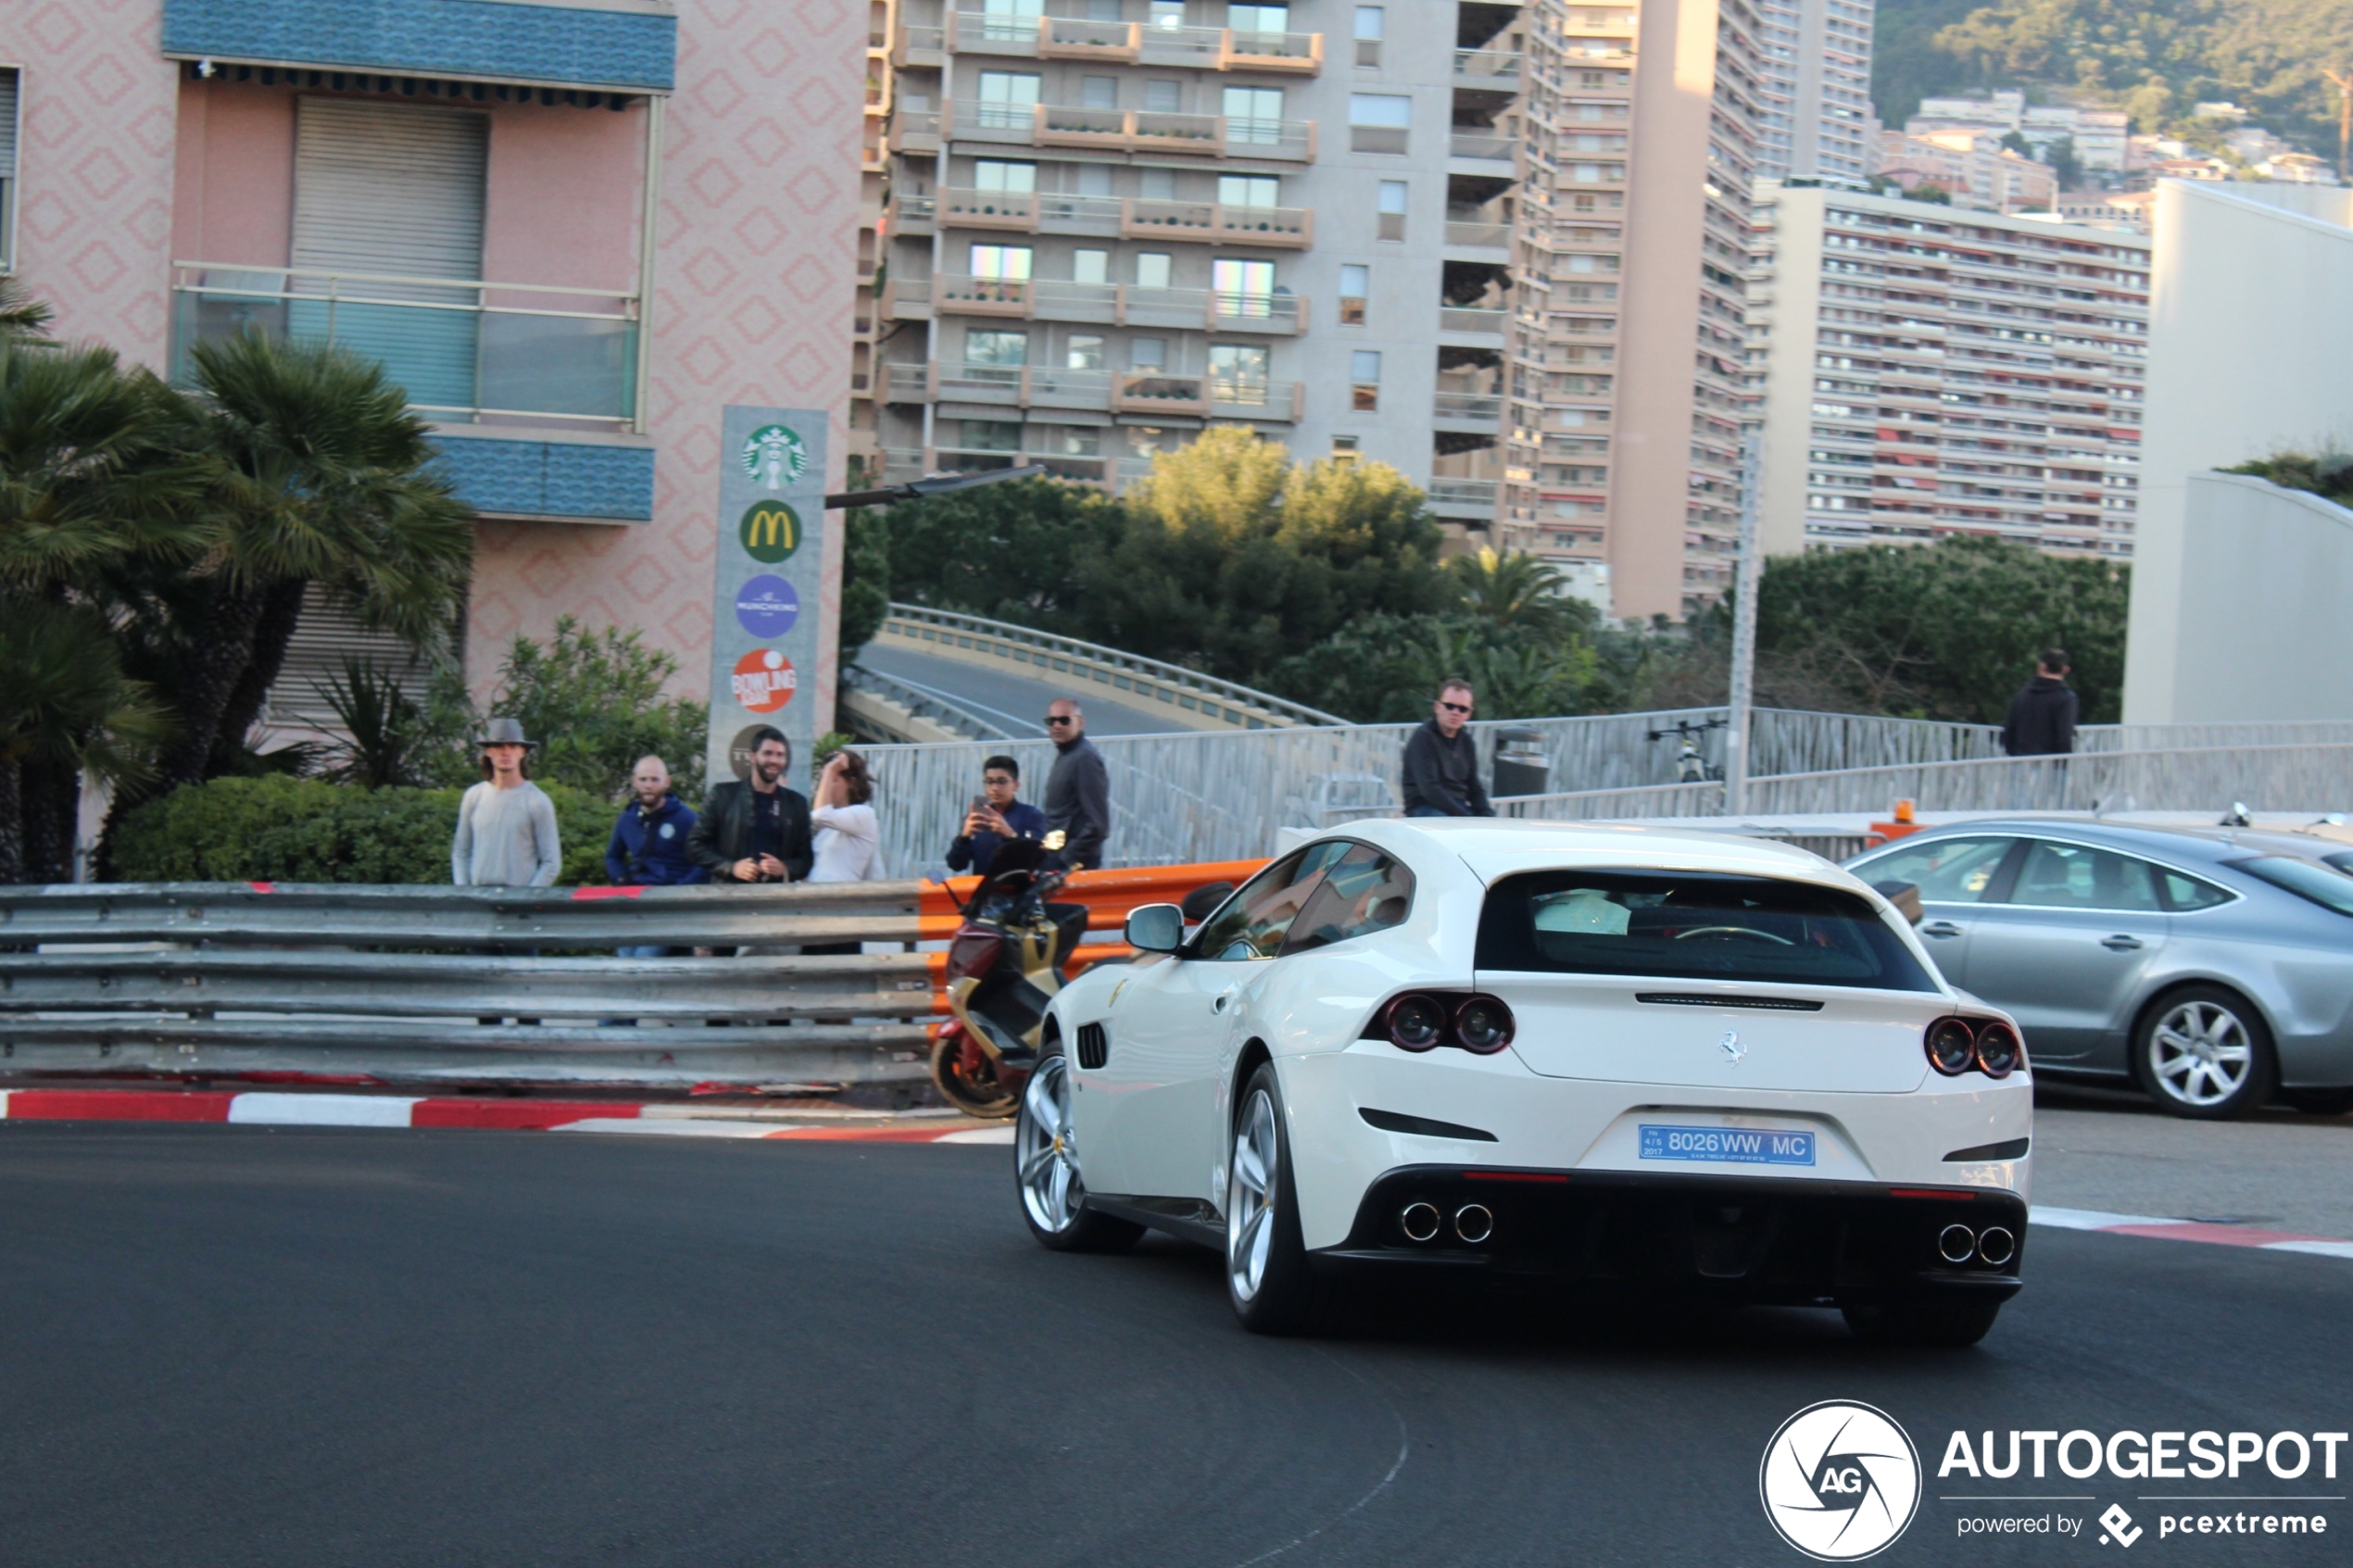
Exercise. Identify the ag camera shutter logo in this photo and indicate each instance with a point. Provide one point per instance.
(1840, 1481)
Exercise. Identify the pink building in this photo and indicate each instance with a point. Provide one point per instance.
(574, 230)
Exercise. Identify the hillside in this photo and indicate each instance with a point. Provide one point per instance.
(2155, 58)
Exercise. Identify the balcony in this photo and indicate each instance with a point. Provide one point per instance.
(914, 131)
(1463, 498)
(466, 351)
(1277, 314)
(920, 46)
(1478, 236)
(1480, 409)
(1472, 320)
(1286, 227)
(1077, 38)
(905, 301)
(1209, 135)
(1495, 68)
(604, 47)
(1481, 145)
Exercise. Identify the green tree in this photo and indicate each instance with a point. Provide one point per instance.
(1005, 550)
(865, 579)
(315, 471)
(1948, 630)
(66, 708)
(594, 701)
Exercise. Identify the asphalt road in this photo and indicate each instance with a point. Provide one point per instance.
(1014, 703)
(248, 1345)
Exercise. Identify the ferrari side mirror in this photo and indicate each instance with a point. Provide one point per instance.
(1156, 928)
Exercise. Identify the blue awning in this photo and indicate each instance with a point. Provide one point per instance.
(557, 45)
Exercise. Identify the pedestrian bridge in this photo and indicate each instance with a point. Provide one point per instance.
(938, 675)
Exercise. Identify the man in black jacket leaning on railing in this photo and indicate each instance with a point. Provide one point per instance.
(1441, 760)
(755, 829)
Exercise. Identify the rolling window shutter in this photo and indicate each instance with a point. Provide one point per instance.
(7, 124)
(387, 189)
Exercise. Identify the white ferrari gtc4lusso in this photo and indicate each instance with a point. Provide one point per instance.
(1634, 1060)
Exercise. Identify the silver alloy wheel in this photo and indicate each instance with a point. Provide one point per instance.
(1045, 1150)
(1251, 1197)
(2200, 1053)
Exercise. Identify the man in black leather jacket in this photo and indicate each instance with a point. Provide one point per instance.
(755, 829)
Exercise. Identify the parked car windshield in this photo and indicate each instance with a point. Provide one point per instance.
(2329, 889)
(1692, 926)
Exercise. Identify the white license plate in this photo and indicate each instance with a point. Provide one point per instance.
(1728, 1146)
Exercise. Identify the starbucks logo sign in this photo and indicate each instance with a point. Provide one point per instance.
(774, 456)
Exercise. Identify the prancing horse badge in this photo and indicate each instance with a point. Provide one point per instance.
(1732, 1045)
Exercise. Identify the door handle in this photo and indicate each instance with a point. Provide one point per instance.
(1223, 997)
(1940, 928)
(2120, 943)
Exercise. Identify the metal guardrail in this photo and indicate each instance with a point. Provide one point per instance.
(1024, 643)
(2270, 777)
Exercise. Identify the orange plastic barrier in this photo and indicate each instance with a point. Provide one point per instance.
(1107, 894)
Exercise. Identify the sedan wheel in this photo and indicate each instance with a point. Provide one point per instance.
(1053, 1196)
(1250, 1195)
(2204, 1053)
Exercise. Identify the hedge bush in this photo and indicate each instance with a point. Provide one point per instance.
(283, 829)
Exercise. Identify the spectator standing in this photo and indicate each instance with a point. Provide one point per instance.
(848, 842)
(649, 844)
(505, 824)
(1001, 816)
(1078, 790)
(1442, 759)
(2042, 721)
(755, 829)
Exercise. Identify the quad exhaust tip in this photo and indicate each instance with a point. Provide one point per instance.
(1956, 1244)
(1996, 1246)
(1474, 1223)
(1420, 1222)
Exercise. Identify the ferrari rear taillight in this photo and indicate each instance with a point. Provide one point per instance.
(1421, 1021)
(1416, 1022)
(1957, 1044)
(1482, 1026)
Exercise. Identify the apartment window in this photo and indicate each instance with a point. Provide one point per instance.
(1102, 11)
(1363, 377)
(1253, 115)
(1085, 352)
(1080, 441)
(1243, 288)
(1156, 185)
(1009, 20)
(1167, 13)
(1369, 23)
(1094, 179)
(1392, 209)
(1148, 354)
(1008, 99)
(1377, 123)
(996, 355)
(1009, 263)
(1014, 178)
(8, 100)
(991, 435)
(1238, 373)
(1355, 284)
(1151, 270)
(1346, 448)
(1164, 98)
(1090, 267)
(1258, 19)
(1249, 189)
(1099, 92)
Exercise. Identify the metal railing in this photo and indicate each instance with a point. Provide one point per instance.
(2318, 778)
(1466, 144)
(1278, 312)
(920, 702)
(463, 348)
(1228, 700)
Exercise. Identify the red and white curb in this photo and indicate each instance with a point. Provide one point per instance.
(2209, 1231)
(280, 1110)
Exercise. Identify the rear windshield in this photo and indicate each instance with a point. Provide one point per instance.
(1691, 926)
(2329, 889)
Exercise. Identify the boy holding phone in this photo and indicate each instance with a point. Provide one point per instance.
(997, 815)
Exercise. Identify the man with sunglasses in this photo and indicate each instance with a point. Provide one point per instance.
(1441, 760)
(1078, 790)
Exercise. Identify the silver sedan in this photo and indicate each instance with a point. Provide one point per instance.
(2212, 968)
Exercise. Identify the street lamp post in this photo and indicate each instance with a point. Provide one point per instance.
(1748, 570)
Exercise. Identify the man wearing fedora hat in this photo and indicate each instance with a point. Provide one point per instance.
(505, 824)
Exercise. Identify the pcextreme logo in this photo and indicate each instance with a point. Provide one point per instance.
(1840, 1481)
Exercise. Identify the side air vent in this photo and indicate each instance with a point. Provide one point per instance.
(1094, 1045)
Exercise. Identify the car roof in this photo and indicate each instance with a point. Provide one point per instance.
(1495, 847)
(2208, 846)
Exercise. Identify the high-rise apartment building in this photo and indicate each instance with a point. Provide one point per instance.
(1814, 90)
(1623, 437)
(1928, 371)
(1113, 225)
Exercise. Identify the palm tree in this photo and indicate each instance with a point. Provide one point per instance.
(315, 472)
(65, 705)
(1515, 591)
(22, 316)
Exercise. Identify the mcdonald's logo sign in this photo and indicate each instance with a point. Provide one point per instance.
(770, 531)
